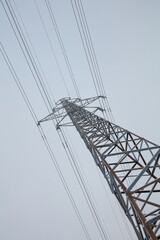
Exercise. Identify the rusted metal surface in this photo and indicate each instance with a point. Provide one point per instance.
(129, 163)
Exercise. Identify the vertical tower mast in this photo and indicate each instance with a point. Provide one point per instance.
(129, 163)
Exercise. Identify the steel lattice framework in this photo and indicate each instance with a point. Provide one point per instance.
(129, 163)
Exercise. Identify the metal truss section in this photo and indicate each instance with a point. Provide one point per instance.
(129, 163)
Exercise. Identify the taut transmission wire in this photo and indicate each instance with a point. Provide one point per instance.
(83, 186)
(85, 49)
(43, 89)
(99, 77)
(51, 46)
(82, 183)
(88, 46)
(18, 83)
(54, 23)
(90, 53)
(92, 207)
(30, 41)
(126, 226)
(51, 154)
(29, 52)
(26, 52)
(81, 180)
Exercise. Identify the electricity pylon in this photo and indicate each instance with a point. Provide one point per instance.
(129, 163)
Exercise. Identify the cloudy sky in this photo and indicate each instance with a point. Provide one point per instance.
(126, 36)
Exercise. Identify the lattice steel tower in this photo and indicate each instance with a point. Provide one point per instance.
(129, 163)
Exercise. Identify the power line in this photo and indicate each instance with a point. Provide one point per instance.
(24, 41)
(27, 53)
(100, 81)
(30, 41)
(85, 46)
(33, 64)
(81, 182)
(25, 44)
(54, 23)
(125, 221)
(41, 131)
(87, 42)
(65, 184)
(52, 50)
(83, 186)
(69, 143)
(18, 83)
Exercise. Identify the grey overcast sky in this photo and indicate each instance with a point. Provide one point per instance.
(126, 37)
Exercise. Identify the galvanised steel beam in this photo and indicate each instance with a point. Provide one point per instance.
(129, 163)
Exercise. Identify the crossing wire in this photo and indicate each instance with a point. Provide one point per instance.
(44, 137)
(51, 46)
(54, 23)
(114, 213)
(88, 191)
(104, 186)
(36, 119)
(83, 186)
(99, 77)
(27, 34)
(92, 55)
(80, 180)
(87, 42)
(34, 68)
(88, 46)
(28, 52)
(86, 53)
(82, 183)
(18, 83)
(24, 40)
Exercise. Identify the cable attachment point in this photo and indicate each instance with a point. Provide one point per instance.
(57, 126)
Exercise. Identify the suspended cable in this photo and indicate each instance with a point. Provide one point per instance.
(27, 53)
(53, 158)
(66, 143)
(35, 67)
(129, 233)
(18, 83)
(45, 94)
(110, 203)
(54, 23)
(86, 53)
(65, 185)
(83, 185)
(100, 81)
(90, 43)
(36, 119)
(85, 35)
(51, 100)
(52, 50)
(87, 42)
(90, 52)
